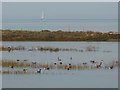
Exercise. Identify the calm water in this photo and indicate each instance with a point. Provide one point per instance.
(62, 24)
(65, 56)
(61, 78)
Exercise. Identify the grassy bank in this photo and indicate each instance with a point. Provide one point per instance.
(46, 35)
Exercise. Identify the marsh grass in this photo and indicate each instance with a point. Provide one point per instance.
(31, 67)
(50, 49)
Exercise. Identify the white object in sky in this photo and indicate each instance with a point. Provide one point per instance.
(43, 15)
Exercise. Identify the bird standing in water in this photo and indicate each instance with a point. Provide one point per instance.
(99, 66)
(39, 70)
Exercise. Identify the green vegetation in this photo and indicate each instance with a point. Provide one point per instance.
(46, 35)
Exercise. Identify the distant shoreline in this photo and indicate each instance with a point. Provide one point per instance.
(59, 36)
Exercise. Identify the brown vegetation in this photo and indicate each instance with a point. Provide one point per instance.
(20, 63)
(51, 49)
(26, 67)
(46, 35)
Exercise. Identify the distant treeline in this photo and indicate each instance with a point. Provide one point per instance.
(46, 35)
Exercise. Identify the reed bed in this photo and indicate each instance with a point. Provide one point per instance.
(12, 48)
(51, 49)
(25, 63)
(18, 72)
(26, 67)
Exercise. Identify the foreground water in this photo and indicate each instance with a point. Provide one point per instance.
(73, 79)
(62, 78)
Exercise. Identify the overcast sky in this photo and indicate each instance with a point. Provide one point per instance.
(78, 10)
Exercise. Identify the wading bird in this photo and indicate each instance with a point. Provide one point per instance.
(11, 67)
(25, 69)
(99, 66)
(39, 70)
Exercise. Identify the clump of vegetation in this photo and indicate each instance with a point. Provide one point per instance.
(91, 48)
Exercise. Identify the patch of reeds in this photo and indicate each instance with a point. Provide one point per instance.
(91, 48)
(11, 48)
(17, 64)
(51, 49)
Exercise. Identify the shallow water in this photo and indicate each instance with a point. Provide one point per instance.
(72, 79)
(65, 56)
(62, 78)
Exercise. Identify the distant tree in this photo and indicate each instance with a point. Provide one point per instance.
(59, 31)
(46, 31)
